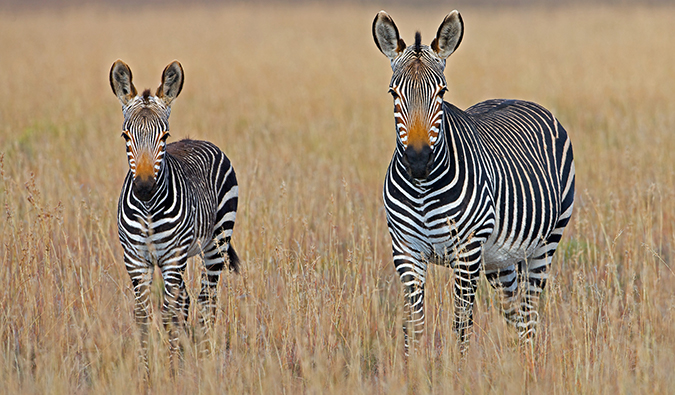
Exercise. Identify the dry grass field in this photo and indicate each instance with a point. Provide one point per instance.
(297, 98)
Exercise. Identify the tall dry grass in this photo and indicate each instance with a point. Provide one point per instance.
(296, 96)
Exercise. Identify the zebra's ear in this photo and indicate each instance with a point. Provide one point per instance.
(449, 35)
(172, 82)
(386, 35)
(120, 82)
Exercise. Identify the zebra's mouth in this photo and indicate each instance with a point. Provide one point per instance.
(143, 188)
(417, 163)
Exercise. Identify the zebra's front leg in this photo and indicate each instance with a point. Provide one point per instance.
(467, 271)
(412, 273)
(214, 262)
(140, 272)
(176, 303)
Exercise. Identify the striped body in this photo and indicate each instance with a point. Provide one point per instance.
(490, 188)
(503, 163)
(178, 200)
(531, 177)
(499, 194)
(194, 207)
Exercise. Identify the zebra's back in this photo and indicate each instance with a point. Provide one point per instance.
(531, 167)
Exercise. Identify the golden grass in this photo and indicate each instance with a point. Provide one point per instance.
(296, 97)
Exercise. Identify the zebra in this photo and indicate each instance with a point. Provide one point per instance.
(490, 188)
(177, 201)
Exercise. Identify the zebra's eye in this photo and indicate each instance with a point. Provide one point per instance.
(126, 136)
(442, 92)
(393, 93)
(165, 136)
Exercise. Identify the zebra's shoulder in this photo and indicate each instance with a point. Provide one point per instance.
(455, 112)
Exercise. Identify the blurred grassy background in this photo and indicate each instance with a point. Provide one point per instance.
(296, 97)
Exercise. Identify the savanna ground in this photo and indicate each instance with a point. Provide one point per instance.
(297, 98)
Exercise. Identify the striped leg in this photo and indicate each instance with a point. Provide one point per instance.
(505, 281)
(467, 272)
(176, 303)
(536, 270)
(534, 274)
(140, 272)
(412, 273)
(214, 261)
(413, 326)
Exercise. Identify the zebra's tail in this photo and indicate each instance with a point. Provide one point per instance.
(233, 259)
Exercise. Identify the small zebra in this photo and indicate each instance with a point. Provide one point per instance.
(177, 201)
(488, 188)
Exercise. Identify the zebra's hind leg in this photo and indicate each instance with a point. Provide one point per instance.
(467, 272)
(214, 262)
(505, 281)
(534, 274)
(175, 305)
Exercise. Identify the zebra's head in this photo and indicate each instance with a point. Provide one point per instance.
(418, 85)
(146, 123)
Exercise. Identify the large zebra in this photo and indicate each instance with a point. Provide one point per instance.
(491, 187)
(178, 200)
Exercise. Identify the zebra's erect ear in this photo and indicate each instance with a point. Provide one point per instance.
(120, 82)
(449, 35)
(386, 35)
(172, 82)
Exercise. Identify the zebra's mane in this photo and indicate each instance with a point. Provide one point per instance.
(146, 95)
(418, 43)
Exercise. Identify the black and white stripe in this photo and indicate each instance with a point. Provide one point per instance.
(488, 188)
(177, 201)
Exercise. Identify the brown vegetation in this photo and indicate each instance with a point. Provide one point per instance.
(296, 96)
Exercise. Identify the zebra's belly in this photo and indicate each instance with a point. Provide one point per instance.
(505, 255)
(154, 249)
(501, 251)
(199, 244)
(202, 236)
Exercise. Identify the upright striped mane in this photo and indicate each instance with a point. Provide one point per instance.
(418, 43)
(146, 95)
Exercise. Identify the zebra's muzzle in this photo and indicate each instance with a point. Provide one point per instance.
(143, 188)
(418, 162)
